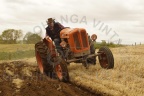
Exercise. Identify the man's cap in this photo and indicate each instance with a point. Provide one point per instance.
(50, 20)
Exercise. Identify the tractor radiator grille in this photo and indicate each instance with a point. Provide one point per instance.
(84, 40)
(76, 40)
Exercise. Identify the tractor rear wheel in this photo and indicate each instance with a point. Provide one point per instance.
(53, 67)
(41, 52)
(106, 59)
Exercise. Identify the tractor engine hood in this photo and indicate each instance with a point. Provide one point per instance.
(77, 39)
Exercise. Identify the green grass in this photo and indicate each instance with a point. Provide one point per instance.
(16, 55)
(16, 47)
(16, 51)
(98, 45)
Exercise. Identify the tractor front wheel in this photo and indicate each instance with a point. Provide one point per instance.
(106, 58)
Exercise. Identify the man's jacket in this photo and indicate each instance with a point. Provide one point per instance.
(55, 33)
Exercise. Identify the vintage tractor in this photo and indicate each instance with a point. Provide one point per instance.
(77, 46)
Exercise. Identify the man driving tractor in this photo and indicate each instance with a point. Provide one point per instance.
(74, 45)
(53, 31)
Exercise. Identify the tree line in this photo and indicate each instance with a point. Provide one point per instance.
(13, 36)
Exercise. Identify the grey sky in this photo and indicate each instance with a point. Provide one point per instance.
(125, 17)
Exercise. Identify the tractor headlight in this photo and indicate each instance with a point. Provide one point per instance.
(63, 44)
(63, 35)
(94, 37)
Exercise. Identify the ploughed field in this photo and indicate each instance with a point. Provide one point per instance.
(20, 78)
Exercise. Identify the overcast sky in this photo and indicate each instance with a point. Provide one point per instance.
(111, 20)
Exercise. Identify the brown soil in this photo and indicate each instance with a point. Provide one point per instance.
(19, 78)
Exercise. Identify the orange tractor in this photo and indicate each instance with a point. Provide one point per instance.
(77, 46)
